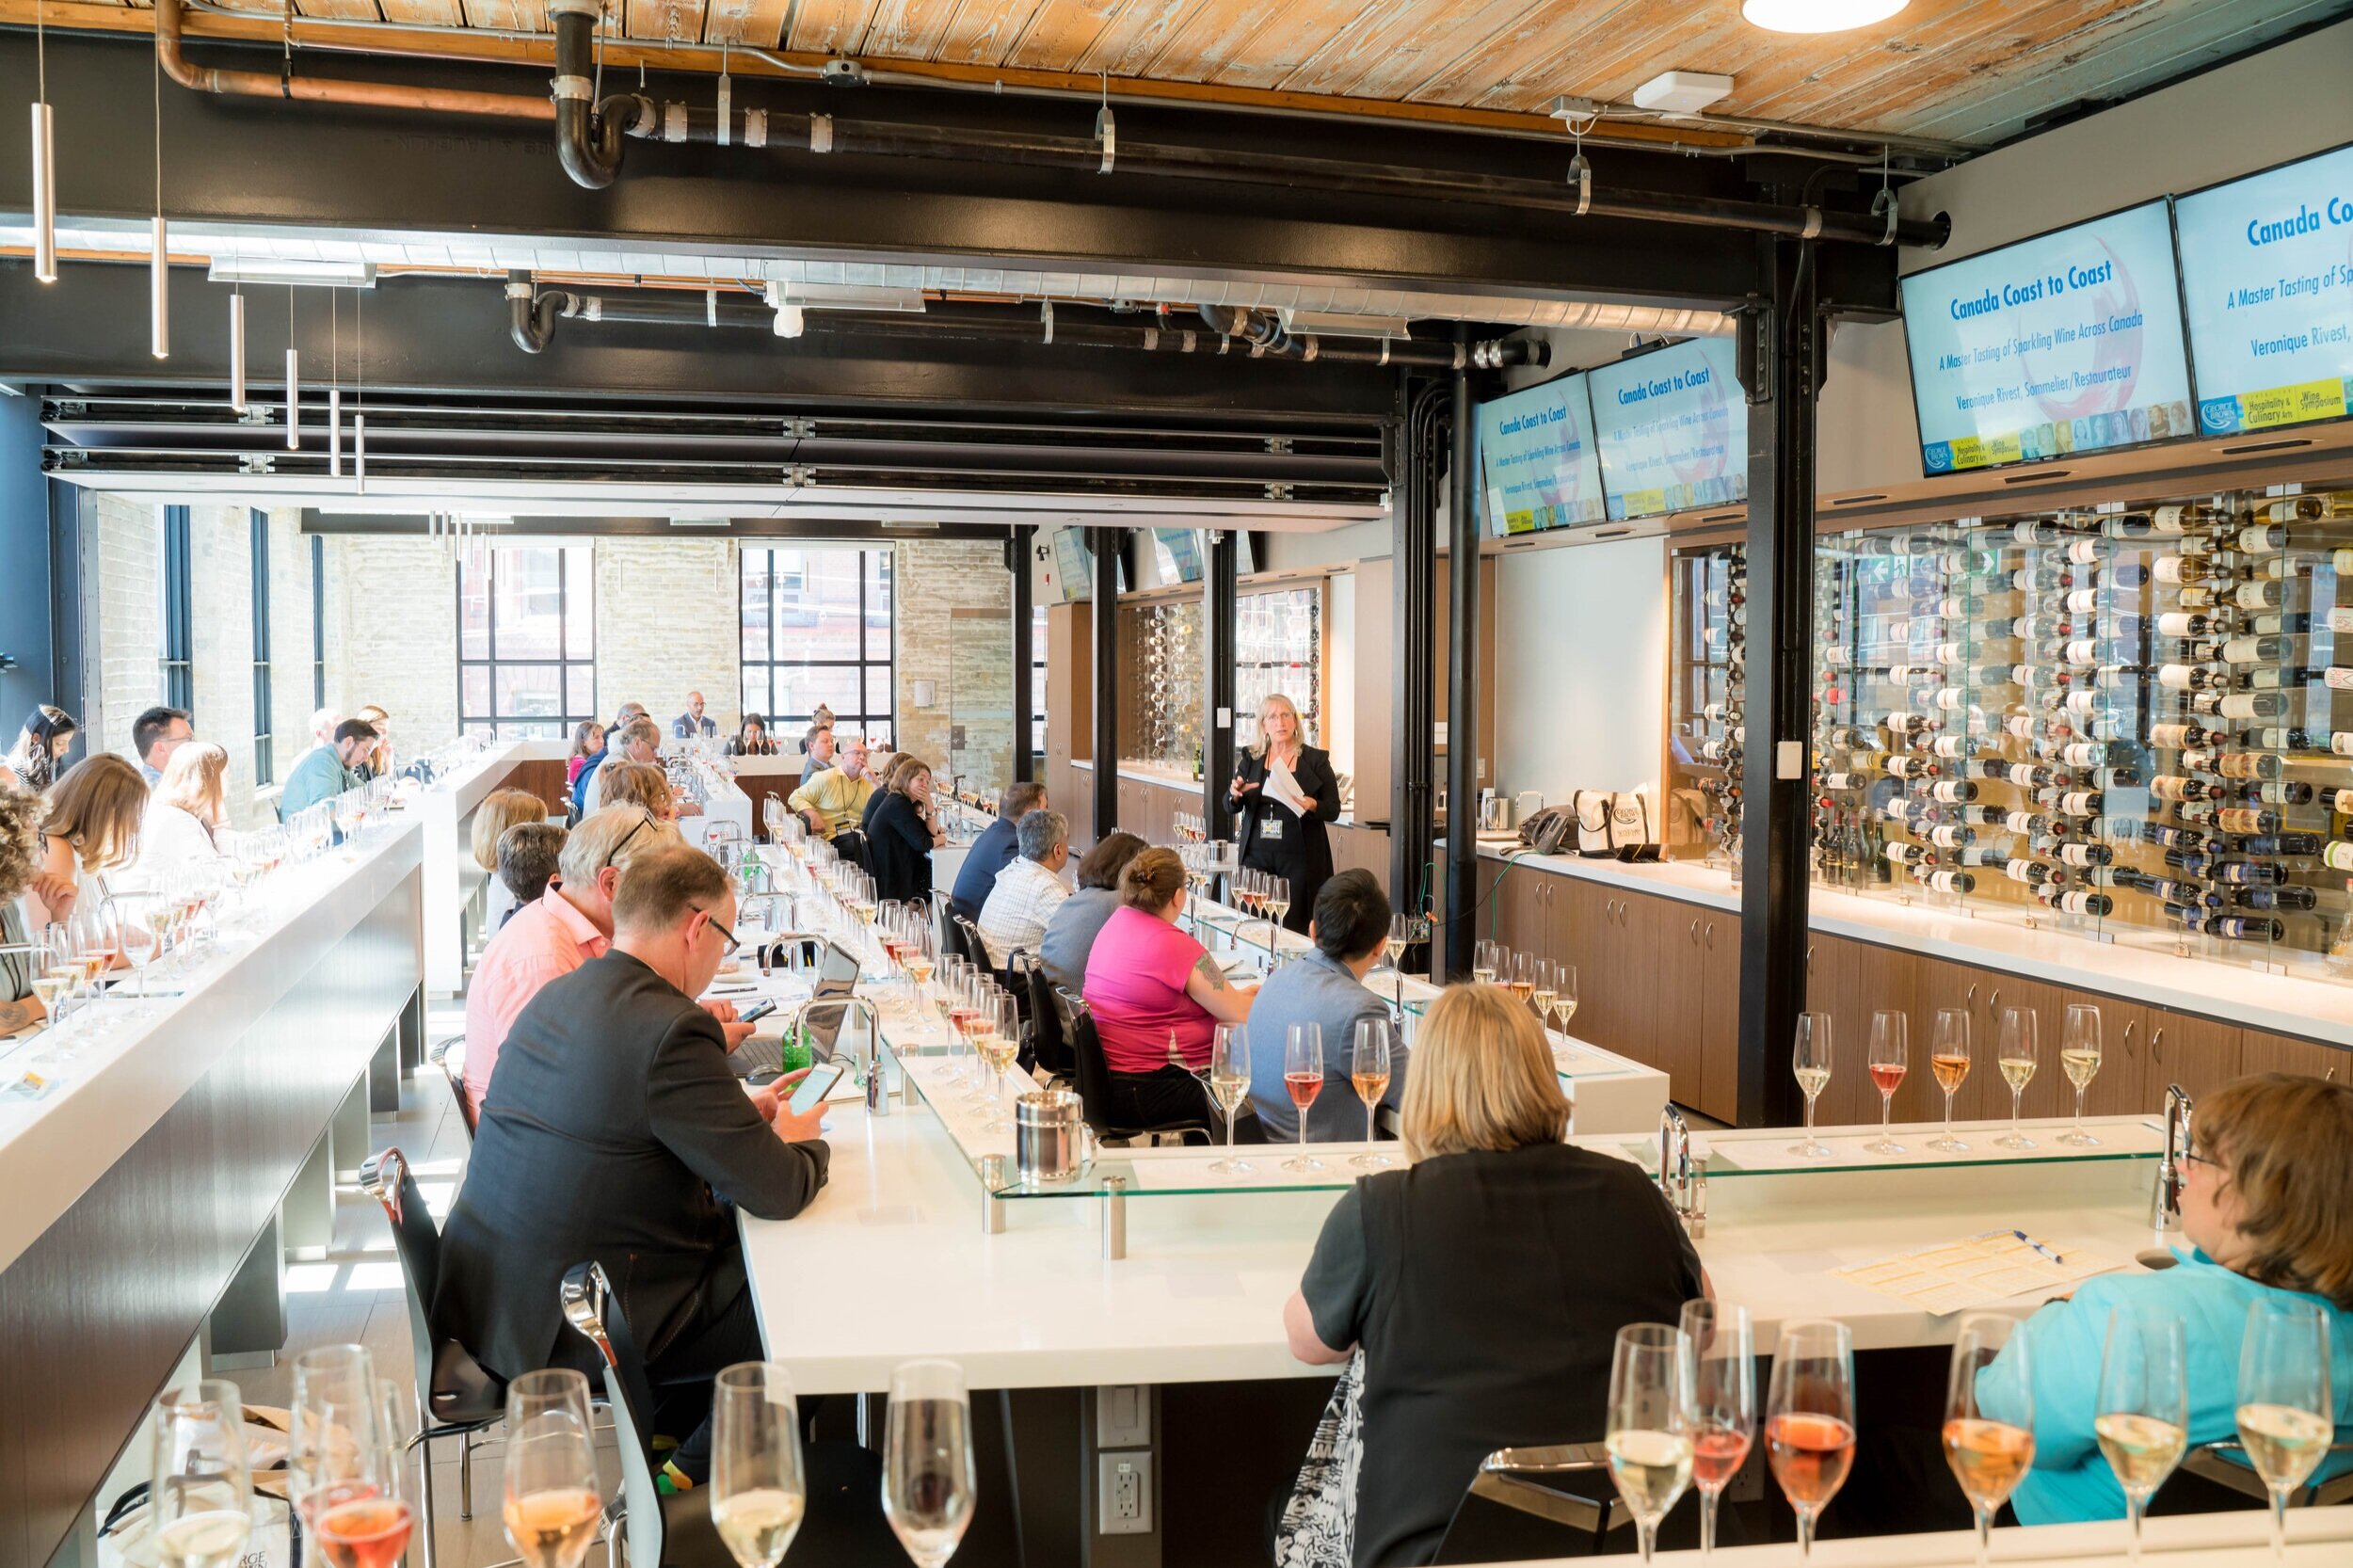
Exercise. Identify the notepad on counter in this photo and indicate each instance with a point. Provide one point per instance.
(1977, 1271)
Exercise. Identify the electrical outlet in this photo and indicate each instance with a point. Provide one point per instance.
(1124, 1493)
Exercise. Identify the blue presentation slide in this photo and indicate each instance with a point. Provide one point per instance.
(1674, 429)
(1536, 458)
(2268, 277)
(2069, 343)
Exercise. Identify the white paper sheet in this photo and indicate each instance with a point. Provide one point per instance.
(1977, 1271)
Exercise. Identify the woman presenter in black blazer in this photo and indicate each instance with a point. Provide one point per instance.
(1273, 837)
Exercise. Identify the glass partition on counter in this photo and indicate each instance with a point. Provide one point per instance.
(2117, 721)
(1703, 718)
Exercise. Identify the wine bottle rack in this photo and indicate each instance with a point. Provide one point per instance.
(1705, 717)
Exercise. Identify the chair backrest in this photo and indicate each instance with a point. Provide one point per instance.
(450, 1060)
(1526, 1504)
(594, 1309)
(1050, 1047)
(968, 942)
(416, 1243)
(1089, 1071)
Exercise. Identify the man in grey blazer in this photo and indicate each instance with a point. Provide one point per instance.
(1325, 987)
(616, 1131)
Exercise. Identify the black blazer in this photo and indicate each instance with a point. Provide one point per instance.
(611, 1130)
(1304, 849)
(899, 848)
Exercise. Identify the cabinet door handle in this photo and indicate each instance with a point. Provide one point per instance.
(1695, 934)
(1994, 1004)
(2156, 1046)
(1973, 995)
(2130, 1024)
(1809, 959)
(1711, 936)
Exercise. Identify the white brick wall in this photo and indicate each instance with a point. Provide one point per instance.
(666, 625)
(123, 567)
(968, 659)
(391, 607)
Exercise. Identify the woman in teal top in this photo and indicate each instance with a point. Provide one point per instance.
(2267, 1207)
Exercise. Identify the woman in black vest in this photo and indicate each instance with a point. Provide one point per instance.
(901, 833)
(1487, 1280)
(1272, 836)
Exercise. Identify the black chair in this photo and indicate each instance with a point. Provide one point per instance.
(843, 1522)
(970, 944)
(1092, 1076)
(1050, 1047)
(454, 1071)
(456, 1396)
(1531, 1503)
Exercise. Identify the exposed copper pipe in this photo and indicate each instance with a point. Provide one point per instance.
(318, 89)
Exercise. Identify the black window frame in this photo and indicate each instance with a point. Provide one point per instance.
(785, 727)
(318, 622)
(264, 743)
(177, 654)
(564, 660)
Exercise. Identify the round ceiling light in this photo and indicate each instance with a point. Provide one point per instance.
(1817, 16)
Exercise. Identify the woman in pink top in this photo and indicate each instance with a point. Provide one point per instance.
(1149, 983)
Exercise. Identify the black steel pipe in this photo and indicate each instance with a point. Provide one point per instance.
(1104, 629)
(1017, 551)
(588, 135)
(1463, 739)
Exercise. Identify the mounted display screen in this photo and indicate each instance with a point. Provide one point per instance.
(1673, 426)
(2267, 279)
(1177, 551)
(2071, 342)
(1536, 458)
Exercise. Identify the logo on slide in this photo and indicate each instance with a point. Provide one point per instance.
(1939, 456)
(2219, 415)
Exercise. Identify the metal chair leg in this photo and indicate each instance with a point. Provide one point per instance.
(614, 1524)
(465, 1478)
(425, 1494)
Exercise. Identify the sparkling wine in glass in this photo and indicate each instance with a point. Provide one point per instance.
(1809, 1419)
(1989, 1457)
(1547, 988)
(2079, 1059)
(2016, 1054)
(2141, 1416)
(1723, 1400)
(1564, 996)
(1302, 1079)
(1369, 1072)
(332, 1453)
(1890, 1050)
(1809, 1061)
(1229, 1085)
(927, 1486)
(1485, 956)
(2286, 1416)
(369, 1528)
(1523, 977)
(1948, 1059)
(552, 1496)
(1651, 1423)
(757, 1488)
(202, 1488)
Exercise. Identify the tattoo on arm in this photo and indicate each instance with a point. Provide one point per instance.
(1210, 971)
(17, 1014)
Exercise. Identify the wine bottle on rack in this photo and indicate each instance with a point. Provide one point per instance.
(1954, 747)
(2090, 550)
(2167, 836)
(1910, 855)
(2261, 594)
(2294, 623)
(2084, 753)
(2178, 623)
(2086, 853)
(2251, 874)
(2280, 678)
(2289, 844)
(2029, 823)
(2337, 855)
(2291, 738)
(2174, 786)
(2274, 791)
(2276, 649)
(2277, 898)
(2031, 873)
(2247, 819)
(1984, 814)
(2192, 677)
(2036, 531)
(2082, 803)
(1904, 765)
(2188, 894)
(2270, 538)
(2183, 570)
(2250, 928)
(1953, 792)
(2242, 706)
(1950, 836)
(1902, 723)
(1951, 881)
(2185, 737)
(2336, 800)
(2079, 900)
(2248, 764)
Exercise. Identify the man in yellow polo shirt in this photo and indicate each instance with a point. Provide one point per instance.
(836, 798)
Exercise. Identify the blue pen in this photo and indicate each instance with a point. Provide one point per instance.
(2039, 1246)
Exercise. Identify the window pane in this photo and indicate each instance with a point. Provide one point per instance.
(580, 603)
(473, 615)
(801, 687)
(474, 690)
(756, 690)
(580, 685)
(754, 606)
(878, 702)
(817, 613)
(529, 691)
(529, 606)
(878, 603)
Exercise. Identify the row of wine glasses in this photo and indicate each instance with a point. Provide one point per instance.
(1547, 986)
(1371, 1054)
(2017, 1055)
(1262, 894)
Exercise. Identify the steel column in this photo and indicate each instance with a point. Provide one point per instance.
(1220, 588)
(1462, 718)
(1782, 346)
(28, 616)
(1413, 584)
(1018, 563)
(1105, 610)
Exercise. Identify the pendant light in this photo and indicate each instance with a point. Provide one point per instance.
(359, 400)
(45, 159)
(294, 380)
(1817, 16)
(335, 384)
(159, 258)
(236, 351)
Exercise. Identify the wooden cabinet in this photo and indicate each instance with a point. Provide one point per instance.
(2277, 1053)
(1719, 1021)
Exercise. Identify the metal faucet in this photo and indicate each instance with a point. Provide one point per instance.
(2165, 1203)
(1682, 1180)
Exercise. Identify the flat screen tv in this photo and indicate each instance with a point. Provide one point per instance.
(1673, 426)
(1536, 465)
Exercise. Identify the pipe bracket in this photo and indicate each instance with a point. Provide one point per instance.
(1581, 176)
(1813, 223)
(673, 122)
(522, 290)
(578, 89)
(1107, 137)
(755, 127)
(820, 133)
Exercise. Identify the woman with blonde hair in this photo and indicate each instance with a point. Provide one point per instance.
(377, 761)
(1284, 791)
(89, 827)
(186, 809)
(1487, 1280)
(20, 850)
(499, 810)
(626, 783)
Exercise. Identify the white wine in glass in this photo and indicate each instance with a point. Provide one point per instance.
(552, 1496)
(758, 1487)
(1229, 1084)
(1650, 1423)
(2079, 1059)
(201, 1489)
(2286, 1416)
(2016, 1054)
(1809, 1063)
(2141, 1416)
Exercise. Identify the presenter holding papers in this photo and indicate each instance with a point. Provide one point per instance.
(1284, 791)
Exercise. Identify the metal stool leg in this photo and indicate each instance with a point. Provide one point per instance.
(425, 1494)
(465, 1478)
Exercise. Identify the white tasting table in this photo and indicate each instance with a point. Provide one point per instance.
(2317, 1538)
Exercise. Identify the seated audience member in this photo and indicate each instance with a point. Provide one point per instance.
(567, 925)
(186, 813)
(885, 777)
(694, 723)
(19, 855)
(528, 855)
(637, 742)
(636, 784)
(1487, 1280)
(835, 800)
(616, 1133)
(90, 825)
(1027, 892)
(158, 733)
(1325, 987)
(587, 750)
(1158, 997)
(752, 739)
(47, 736)
(821, 719)
(2267, 1209)
(901, 833)
(325, 772)
(817, 751)
(1070, 935)
(994, 850)
(499, 810)
(378, 762)
(584, 801)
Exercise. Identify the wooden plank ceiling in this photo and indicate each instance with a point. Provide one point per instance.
(1962, 70)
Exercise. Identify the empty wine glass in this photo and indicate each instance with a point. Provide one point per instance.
(2079, 1059)
(1723, 1400)
(1809, 1419)
(1809, 1059)
(1369, 1071)
(1988, 1457)
(1948, 1059)
(927, 1485)
(2141, 1416)
(1650, 1425)
(1302, 1079)
(2285, 1414)
(759, 1490)
(200, 1487)
(1229, 1083)
(2016, 1055)
(552, 1496)
(1890, 1032)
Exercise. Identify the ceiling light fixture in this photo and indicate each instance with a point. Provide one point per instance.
(1339, 323)
(1817, 16)
(790, 321)
(292, 271)
(845, 296)
(1681, 93)
(159, 255)
(45, 159)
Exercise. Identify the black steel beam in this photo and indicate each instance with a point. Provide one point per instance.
(1413, 610)
(1782, 354)
(29, 611)
(1462, 740)
(1018, 563)
(1105, 630)
(1220, 589)
(315, 521)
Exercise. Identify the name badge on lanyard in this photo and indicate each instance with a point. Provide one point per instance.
(1271, 830)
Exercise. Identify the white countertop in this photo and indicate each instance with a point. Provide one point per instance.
(2317, 1538)
(2295, 1004)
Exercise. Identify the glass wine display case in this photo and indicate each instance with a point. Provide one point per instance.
(1703, 723)
(1278, 647)
(2120, 722)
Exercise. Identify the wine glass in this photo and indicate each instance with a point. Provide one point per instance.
(331, 1451)
(1544, 974)
(1486, 956)
(757, 1488)
(1369, 1070)
(2285, 1416)
(1651, 1423)
(554, 1499)
(1989, 1457)
(1000, 1044)
(202, 1488)
(1279, 901)
(1809, 1419)
(1564, 996)
(352, 1507)
(55, 974)
(1229, 1083)
(1302, 1079)
(927, 1483)
(2016, 1055)
(2079, 1058)
(1948, 1059)
(2141, 1416)
(1723, 1400)
(1810, 1061)
(1523, 977)
(1890, 1037)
